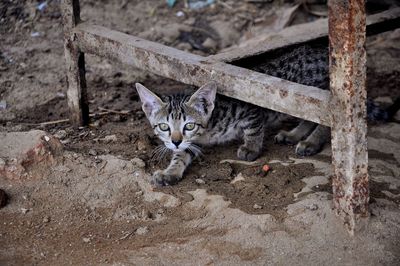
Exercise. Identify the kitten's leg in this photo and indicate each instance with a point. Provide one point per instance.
(174, 172)
(253, 137)
(314, 143)
(295, 135)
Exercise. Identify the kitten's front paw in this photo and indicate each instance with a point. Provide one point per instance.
(283, 137)
(161, 178)
(305, 148)
(244, 153)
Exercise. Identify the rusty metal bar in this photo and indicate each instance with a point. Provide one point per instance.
(75, 64)
(348, 105)
(301, 101)
(302, 33)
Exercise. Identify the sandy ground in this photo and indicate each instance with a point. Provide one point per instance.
(94, 205)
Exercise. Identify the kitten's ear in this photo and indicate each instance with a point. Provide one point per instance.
(203, 99)
(151, 102)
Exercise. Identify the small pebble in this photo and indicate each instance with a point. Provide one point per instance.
(24, 210)
(313, 207)
(86, 239)
(180, 14)
(92, 152)
(46, 219)
(96, 123)
(61, 134)
(210, 44)
(110, 138)
(142, 230)
(257, 207)
(138, 162)
(65, 141)
(200, 181)
(238, 178)
(35, 34)
(60, 95)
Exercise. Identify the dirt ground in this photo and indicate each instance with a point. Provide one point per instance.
(94, 206)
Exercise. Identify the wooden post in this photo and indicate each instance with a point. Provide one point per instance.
(75, 65)
(348, 105)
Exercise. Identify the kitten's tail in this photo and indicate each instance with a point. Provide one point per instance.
(376, 113)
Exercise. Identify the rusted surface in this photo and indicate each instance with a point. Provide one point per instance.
(349, 127)
(305, 102)
(302, 33)
(75, 65)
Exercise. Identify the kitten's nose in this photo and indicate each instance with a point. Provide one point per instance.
(176, 143)
(176, 138)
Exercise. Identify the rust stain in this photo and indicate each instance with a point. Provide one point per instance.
(347, 77)
(283, 93)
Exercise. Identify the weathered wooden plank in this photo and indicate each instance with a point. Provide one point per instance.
(302, 33)
(75, 64)
(305, 102)
(348, 107)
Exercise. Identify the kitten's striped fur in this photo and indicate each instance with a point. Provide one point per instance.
(309, 65)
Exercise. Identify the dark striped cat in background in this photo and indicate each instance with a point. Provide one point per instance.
(183, 122)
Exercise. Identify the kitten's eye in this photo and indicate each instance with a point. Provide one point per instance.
(163, 126)
(189, 126)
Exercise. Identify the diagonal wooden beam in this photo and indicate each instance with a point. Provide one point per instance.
(298, 100)
(302, 33)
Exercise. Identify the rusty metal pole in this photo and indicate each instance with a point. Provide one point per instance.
(75, 64)
(348, 105)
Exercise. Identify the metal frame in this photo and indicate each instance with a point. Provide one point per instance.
(343, 108)
(347, 72)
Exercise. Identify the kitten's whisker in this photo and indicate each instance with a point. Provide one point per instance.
(163, 153)
(155, 152)
(196, 150)
(158, 153)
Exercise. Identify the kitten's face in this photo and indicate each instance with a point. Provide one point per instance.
(179, 120)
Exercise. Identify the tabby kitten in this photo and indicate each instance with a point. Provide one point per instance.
(182, 122)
